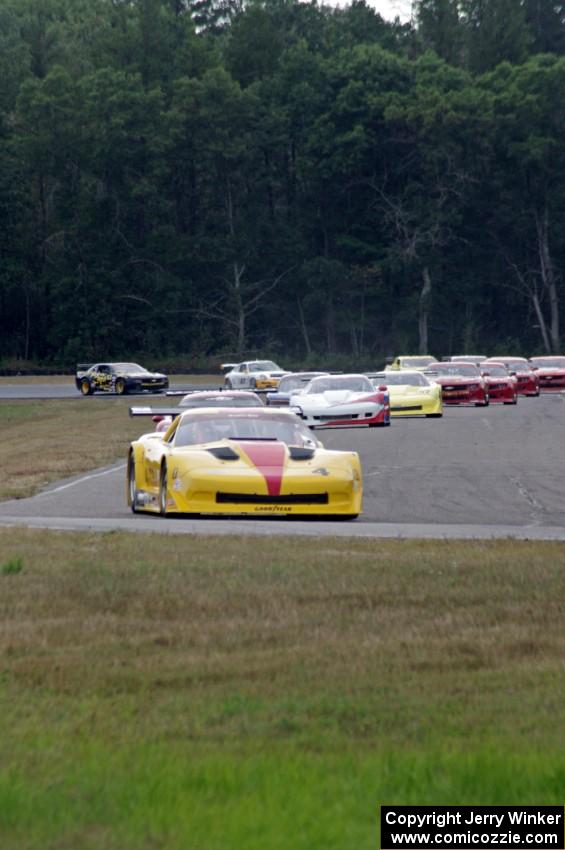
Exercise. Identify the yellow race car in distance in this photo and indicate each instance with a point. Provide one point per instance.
(241, 461)
(410, 362)
(411, 393)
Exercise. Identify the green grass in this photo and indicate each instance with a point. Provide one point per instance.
(171, 797)
(168, 692)
(12, 566)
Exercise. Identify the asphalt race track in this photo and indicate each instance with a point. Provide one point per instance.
(476, 473)
(69, 390)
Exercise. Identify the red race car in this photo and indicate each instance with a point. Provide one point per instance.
(502, 386)
(461, 383)
(527, 379)
(550, 372)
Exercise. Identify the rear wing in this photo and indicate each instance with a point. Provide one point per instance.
(225, 367)
(191, 392)
(155, 411)
(83, 367)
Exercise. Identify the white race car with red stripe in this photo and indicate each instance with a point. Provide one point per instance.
(241, 461)
(341, 400)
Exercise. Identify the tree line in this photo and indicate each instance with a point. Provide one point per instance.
(190, 177)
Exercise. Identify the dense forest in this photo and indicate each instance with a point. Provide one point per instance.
(186, 178)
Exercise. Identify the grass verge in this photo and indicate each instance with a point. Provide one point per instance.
(202, 693)
(44, 441)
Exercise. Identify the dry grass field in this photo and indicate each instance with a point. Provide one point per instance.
(159, 692)
(44, 441)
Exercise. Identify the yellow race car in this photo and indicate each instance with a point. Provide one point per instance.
(241, 461)
(411, 393)
(410, 362)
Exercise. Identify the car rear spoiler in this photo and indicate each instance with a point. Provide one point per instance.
(83, 367)
(227, 366)
(155, 411)
(191, 392)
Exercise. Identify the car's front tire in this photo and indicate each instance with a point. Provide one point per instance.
(163, 484)
(132, 489)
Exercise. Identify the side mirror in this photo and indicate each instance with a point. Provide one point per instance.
(513, 374)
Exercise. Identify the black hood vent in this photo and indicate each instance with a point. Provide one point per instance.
(301, 452)
(224, 453)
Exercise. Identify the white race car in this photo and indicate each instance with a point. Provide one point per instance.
(346, 400)
(252, 374)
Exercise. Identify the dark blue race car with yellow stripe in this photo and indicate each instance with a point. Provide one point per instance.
(119, 378)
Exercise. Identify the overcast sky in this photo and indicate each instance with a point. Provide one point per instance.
(389, 9)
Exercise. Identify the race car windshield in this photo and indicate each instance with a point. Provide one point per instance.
(469, 358)
(522, 368)
(417, 361)
(225, 400)
(210, 429)
(412, 379)
(548, 362)
(353, 383)
(264, 366)
(512, 362)
(495, 370)
(465, 370)
(293, 382)
(126, 368)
